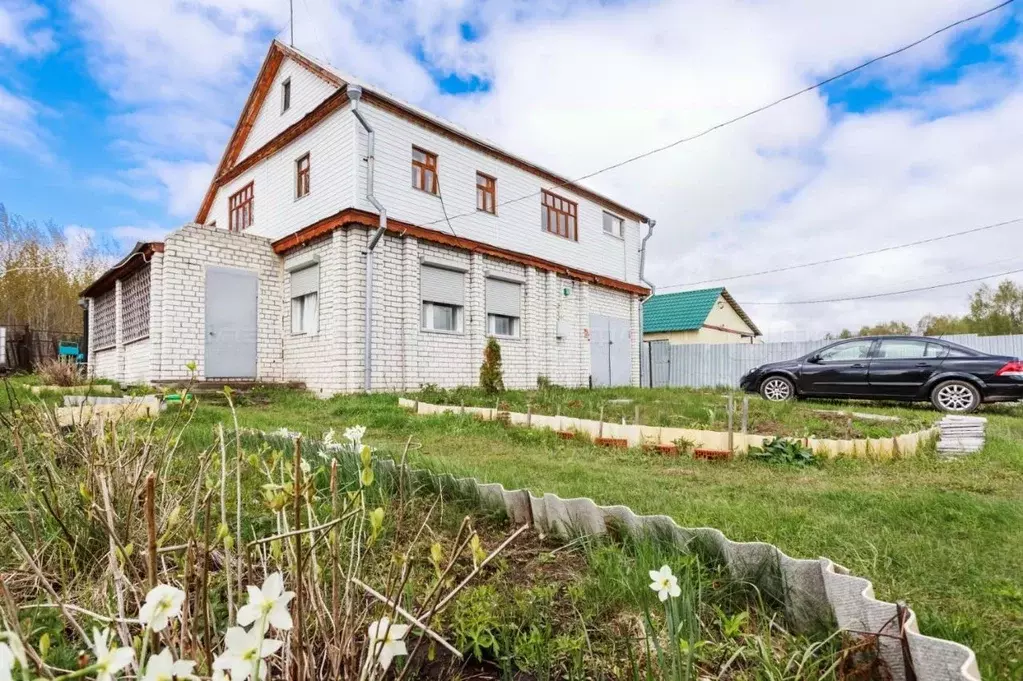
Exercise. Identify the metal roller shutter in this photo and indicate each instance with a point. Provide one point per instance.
(504, 298)
(438, 285)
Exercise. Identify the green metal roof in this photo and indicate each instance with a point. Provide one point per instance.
(686, 311)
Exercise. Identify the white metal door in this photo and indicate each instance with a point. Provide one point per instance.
(610, 351)
(231, 317)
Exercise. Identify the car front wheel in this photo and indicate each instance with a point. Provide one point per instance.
(777, 389)
(955, 397)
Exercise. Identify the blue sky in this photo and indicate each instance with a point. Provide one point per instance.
(116, 111)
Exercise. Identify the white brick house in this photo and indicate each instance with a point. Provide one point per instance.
(327, 224)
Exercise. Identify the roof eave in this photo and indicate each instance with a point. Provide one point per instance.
(742, 313)
(127, 265)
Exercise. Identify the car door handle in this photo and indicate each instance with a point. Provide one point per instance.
(923, 364)
(859, 366)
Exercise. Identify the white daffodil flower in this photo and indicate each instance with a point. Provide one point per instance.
(109, 662)
(163, 603)
(6, 662)
(242, 650)
(268, 605)
(17, 648)
(387, 639)
(355, 435)
(664, 583)
(218, 675)
(162, 667)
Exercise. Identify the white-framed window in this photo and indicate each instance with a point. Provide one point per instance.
(504, 308)
(613, 225)
(502, 325)
(442, 291)
(286, 95)
(305, 294)
(442, 317)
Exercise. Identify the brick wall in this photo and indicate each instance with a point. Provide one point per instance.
(103, 364)
(136, 362)
(405, 356)
(331, 360)
(188, 252)
(316, 358)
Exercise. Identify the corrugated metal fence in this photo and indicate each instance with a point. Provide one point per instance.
(704, 366)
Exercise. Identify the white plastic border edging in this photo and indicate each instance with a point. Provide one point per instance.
(814, 590)
(637, 435)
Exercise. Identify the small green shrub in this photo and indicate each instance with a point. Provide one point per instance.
(491, 375)
(476, 624)
(783, 451)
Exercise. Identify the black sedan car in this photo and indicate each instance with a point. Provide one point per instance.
(954, 378)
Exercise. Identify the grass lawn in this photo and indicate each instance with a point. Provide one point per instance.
(697, 409)
(947, 537)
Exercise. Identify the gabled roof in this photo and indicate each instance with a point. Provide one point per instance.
(376, 96)
(687, 311)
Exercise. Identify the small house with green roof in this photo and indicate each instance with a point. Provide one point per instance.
(709, 315)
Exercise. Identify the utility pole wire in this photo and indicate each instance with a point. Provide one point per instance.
(839, 258)
(748, 114)
(884, 295)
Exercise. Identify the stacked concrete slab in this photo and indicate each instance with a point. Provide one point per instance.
(961, 435)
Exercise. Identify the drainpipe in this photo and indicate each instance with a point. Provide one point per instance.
(354, 96)
(642, 278)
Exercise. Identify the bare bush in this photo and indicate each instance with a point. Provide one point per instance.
(59, 371)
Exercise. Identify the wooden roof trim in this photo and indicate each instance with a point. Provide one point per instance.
(260, 89)
(289, 135)
(257, 96)
(433, 126)
(352, 216)
(738, 310)
(130, 264)
(305, 61)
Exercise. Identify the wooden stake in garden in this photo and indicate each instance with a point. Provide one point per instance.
(745, 414)
(731, 424)
(150, 511)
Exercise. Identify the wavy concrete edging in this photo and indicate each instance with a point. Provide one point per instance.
(814, 591)
(638, 435)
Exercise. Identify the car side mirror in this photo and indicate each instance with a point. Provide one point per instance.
(813, 359)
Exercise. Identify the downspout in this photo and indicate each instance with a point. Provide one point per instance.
(354, 96)
(642, 266)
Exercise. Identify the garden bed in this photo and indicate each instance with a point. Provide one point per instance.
(366, 547)
(694, 410)
(703, 444)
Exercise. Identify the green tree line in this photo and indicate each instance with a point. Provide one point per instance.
(994, 311)
(42, 271)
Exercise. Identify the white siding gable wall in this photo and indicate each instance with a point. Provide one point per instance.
(307, 91)
(516, 226)
(276, 210)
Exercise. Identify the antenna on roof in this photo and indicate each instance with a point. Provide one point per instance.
(291, 21)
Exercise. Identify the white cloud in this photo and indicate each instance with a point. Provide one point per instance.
(22, 29)
(579, 84)
(186, 183)
(128, 235)
(19, 125)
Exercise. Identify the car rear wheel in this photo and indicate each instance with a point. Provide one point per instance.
(955, 397)
(777, 389)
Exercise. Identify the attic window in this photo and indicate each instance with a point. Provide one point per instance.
(286, 95)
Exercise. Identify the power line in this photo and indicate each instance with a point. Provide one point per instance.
(850, 256)
(883, 295)
(748, 114)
